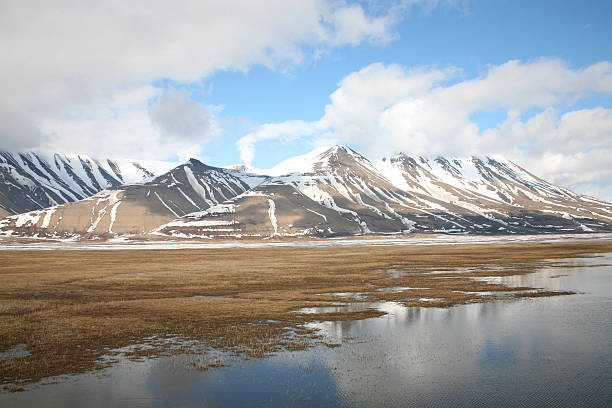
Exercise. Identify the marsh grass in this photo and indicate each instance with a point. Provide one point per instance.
(75, 308)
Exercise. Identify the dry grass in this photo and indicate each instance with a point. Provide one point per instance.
(72, 307)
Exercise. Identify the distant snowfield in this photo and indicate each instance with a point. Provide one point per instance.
(123, 243)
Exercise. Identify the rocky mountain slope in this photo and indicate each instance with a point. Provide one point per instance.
(32, 181)
(136, 208)
(331, 191)
(337, 191)
(499, 190)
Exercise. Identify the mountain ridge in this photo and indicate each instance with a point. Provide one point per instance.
(36, 180)
(331, 191)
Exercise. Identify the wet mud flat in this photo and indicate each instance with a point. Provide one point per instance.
(68, 312)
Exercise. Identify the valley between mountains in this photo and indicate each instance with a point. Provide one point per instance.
(330, 192)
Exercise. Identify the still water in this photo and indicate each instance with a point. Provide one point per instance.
(549, 351)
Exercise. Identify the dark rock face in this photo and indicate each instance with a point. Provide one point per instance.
(134, 208)
(32, 181)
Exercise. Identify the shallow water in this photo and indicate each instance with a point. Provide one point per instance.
(554, 351)
(18, 350)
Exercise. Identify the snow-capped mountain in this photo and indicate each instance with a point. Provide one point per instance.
(337, 191)
(497, 189)
(309, 195)
(329, 192)
(31, 181)
(135, 208)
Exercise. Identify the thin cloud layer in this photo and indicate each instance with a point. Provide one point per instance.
(385, 109)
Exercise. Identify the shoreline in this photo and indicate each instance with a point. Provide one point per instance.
(25, 244)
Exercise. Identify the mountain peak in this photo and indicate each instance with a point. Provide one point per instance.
(337, 148)
(195, 162)
(320, 158)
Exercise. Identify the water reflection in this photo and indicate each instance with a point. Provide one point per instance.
(545, 351)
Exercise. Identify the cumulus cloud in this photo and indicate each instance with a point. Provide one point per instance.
(70, 58)
(118, 128)
(383, 109)
(571, 149)
(355, 107)
(123, 128)
(438, 120)
(352, 26)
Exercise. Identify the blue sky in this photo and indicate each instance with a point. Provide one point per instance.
(471, 37)
(233, 81)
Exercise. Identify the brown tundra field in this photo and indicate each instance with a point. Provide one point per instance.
(72, 307)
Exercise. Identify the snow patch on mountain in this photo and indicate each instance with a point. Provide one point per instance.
(272, 215)
(35, 180)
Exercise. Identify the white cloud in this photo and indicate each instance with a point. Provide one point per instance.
(119, 128)
(385, 109)
(285, 131)
(69, 59)
(356, 105)
(174, 126)
(438, 120)
(352, 26)
(571, 149)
